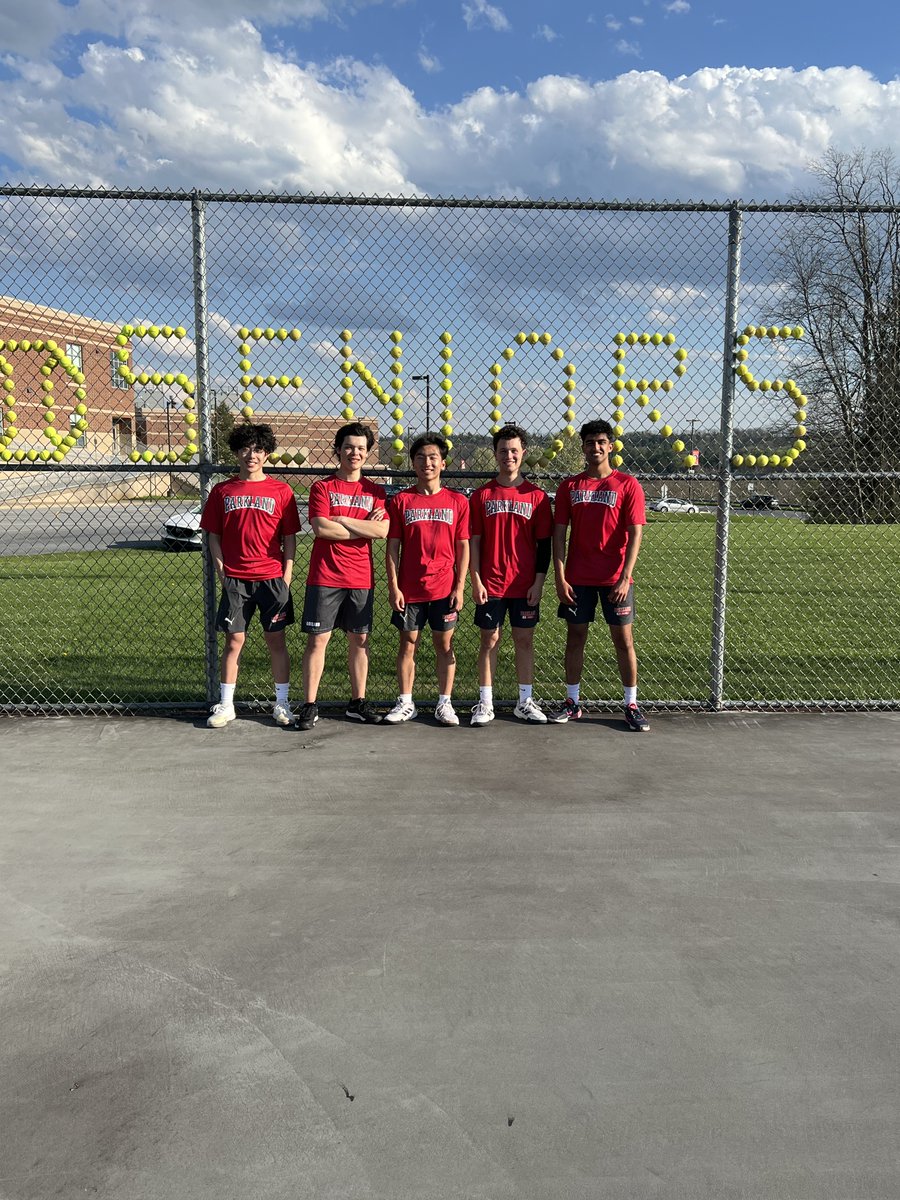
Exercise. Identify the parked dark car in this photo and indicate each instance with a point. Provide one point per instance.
(760, 502)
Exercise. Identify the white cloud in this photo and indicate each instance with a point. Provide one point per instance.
(429, 63)
(628, 48)
(678, 7)
(479, 13)
(636, 20)
(545, 32)
(613, 24)
(215, 107)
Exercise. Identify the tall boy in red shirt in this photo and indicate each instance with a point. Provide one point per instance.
(347, 514)
(251, 524)
(512, 527)
(606, 511)
(427, 559)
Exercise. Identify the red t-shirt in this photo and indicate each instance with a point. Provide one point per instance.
(251, 519)
(429, 528)
(509, 521)
(600, 512)
(343, 564)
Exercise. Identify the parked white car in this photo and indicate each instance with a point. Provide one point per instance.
(182, 531)
(670, 504)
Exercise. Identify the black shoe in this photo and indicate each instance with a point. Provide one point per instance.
(635, 719)
(307, 716)
(569, 710)
(362, 710)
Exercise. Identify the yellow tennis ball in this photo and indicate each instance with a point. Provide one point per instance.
(396, 336)
(762, 460)
(666, 431)
(347, 414)
(397, 444)
(508, 353)
(247, 412)
(654, 414)
(446, 337)
(617, 460)
(619, 339)
(446, 430)
(737, 460)
(678, 445)
(689, 460)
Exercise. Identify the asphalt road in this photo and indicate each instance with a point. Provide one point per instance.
(54, 528)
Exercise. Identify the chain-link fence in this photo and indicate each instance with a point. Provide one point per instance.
(748, 365)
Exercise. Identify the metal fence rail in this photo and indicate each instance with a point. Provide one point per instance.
(160, 319)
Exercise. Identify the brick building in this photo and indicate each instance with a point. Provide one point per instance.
(91, 346)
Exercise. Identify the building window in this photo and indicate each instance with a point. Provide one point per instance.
(73, 354)
(114, 364)
(81, 434)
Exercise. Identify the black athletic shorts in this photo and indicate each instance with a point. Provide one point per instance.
(522, 615)
(436, 613)
(242, 597)
(327, 608)
(585, 607)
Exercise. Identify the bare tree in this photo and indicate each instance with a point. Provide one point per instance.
(843, 271)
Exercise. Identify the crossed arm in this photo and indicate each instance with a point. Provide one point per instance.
(343, 529)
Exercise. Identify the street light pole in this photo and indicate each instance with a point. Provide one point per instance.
(427, 380)
(170, 404)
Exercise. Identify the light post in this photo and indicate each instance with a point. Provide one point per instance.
(427, 381)
(170, 404)
(691, 469)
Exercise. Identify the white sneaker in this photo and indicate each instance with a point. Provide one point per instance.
(282, 715)
(403, 710)
(527, 710)
(221, 715)
(481, 714)
(445, 714)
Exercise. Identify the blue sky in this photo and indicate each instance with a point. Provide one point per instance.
(661, 99)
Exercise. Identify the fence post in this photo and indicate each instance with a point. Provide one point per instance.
(205, 416)
(726, 449)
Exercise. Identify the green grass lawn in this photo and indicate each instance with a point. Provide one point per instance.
(812, 615)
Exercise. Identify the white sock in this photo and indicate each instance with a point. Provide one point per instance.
(444, 699)
(486, 696)
(631, 695)
(281, 693)
(405, 697)
(573, 691)
(226, 694)
(525, 690)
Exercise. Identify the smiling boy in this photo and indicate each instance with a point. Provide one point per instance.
(427, 559)
(347, 514)
(251, 523)
(606, 511)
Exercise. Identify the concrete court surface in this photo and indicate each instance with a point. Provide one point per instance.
(422, 963)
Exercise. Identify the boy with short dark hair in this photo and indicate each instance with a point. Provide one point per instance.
(347, 513)
(427, 558)
(606, 511)
(512, 528)
(251, 523)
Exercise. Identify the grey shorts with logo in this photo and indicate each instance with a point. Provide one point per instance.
(436, 613)
(327, 608)
(522, 615)
(242, 597)
(585, 607)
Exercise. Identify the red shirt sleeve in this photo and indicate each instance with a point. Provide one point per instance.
(462, 524)
(318, 500)
(290, 516)
(634, 507)
(563, 513)
(543, 518)
(395, 516)
(211, 517)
